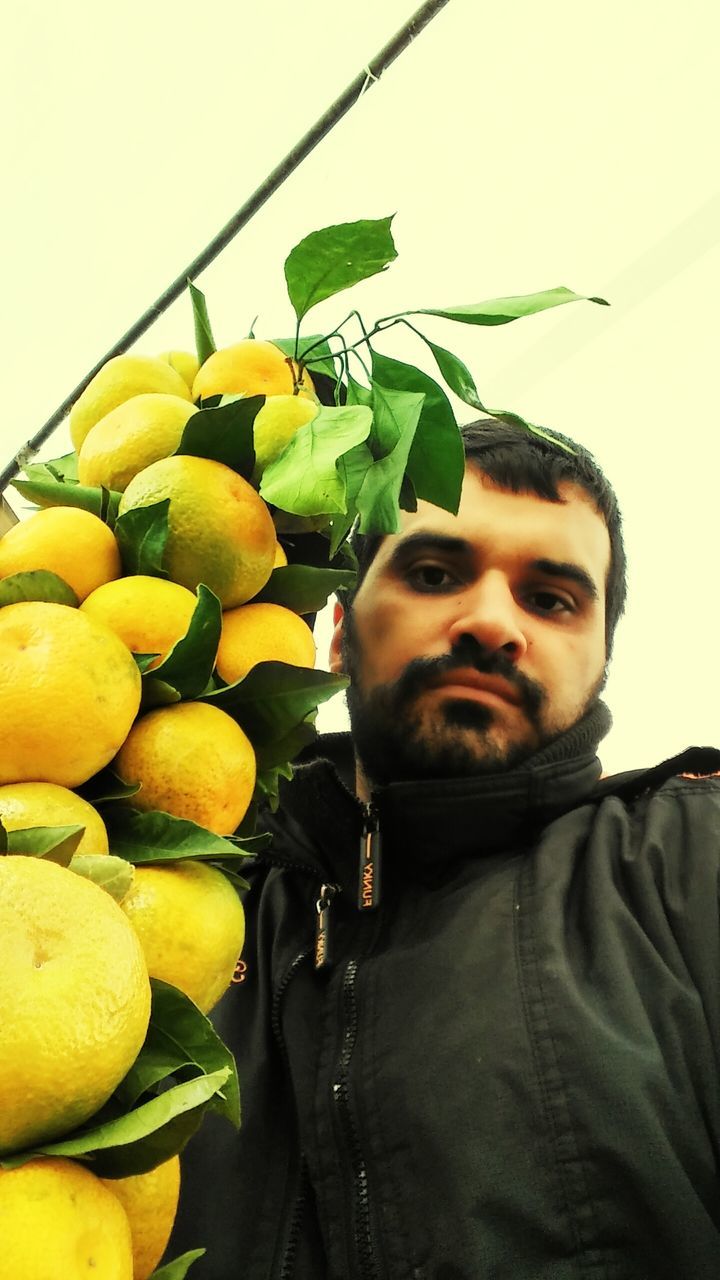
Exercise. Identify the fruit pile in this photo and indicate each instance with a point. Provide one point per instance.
(157, 678)
(89, 651)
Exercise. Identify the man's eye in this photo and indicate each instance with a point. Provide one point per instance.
(547, 600)
(430, 577)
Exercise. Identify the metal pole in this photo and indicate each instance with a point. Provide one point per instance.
(362, 82)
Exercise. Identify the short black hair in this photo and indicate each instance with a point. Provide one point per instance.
(520, 461)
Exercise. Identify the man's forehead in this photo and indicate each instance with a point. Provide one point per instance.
(488, 515)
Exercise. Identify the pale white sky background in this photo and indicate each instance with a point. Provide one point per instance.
(521, 146)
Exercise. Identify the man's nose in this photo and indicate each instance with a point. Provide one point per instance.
(489, 612)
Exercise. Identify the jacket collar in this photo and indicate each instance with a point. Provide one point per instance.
(426, 823)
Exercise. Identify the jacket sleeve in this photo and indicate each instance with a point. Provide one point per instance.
(681, 855)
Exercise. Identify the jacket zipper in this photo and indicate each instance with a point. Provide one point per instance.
(288, 1258)
(341, 1095)
(368, 899)
(288, 1262)
(370, 850)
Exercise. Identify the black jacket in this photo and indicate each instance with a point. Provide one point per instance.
(509, 1069)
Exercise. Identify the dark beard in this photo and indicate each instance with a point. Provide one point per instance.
(393, 743)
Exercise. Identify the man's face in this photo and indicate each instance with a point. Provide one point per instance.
(454, 604)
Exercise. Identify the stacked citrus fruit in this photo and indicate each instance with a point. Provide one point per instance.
(75, 963)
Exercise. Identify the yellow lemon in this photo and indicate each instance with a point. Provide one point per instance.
(69, 692)
(148, 614)
(118, 380)
(140, 431)
(220, 530)
(192, 760)
(185, 363)
(150, 1202)
(75, 1000)
(253, 368)
(24, 805)
(276, 424)
(76, 545)
(191, 925)
(59, 1222)
(262, 633)
(280, 557)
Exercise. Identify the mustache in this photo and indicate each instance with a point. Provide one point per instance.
(468, 652)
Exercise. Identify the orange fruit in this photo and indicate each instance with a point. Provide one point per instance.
(221, 531)
(185, 363)
(193, 761)
(276, 424)
(57, 1219)
(150, 1202)
(119, 379)
(251, 367)
(191, 925)
(148, 614)
(24, 805)
(76, 545)
(139, 431)
(69, 692)
(262, 633)
(75, 1000)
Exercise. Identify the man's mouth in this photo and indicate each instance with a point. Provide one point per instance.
(468, 681)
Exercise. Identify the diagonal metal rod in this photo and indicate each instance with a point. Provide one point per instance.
(369, 75)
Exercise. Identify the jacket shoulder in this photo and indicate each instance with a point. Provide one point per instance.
(692, 766)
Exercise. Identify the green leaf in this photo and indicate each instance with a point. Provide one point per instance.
(335, 258)
(353, 466)
(143, 838)
(204, 341)
(39, 485)
(54, 844)
(168, 1139)
(503, 310)
(436, 464)
(303, 587)
(273, 698)
(114, 875)
(157, 693)
(305, 479)
(357, 393)
(178, 1269)
(144, 661)
(189, 665)
(135, 1131)
(64, 468)
(224, 433)
(267, 786)
(460, 380)
(179, 1037)
(141, 536)
(36, 584)
(104, 786)
(278, 754)
(514, 419)
(395, 418)
(320, 359)
(456, 374)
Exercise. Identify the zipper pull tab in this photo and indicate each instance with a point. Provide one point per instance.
(370, 849)
(322, 930)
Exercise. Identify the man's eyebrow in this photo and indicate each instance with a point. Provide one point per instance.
(572, 572)
(439, 542)
(442, 543)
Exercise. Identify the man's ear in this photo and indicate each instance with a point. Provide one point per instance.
(336, 663)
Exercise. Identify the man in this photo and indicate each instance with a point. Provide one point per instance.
(480, 1028)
